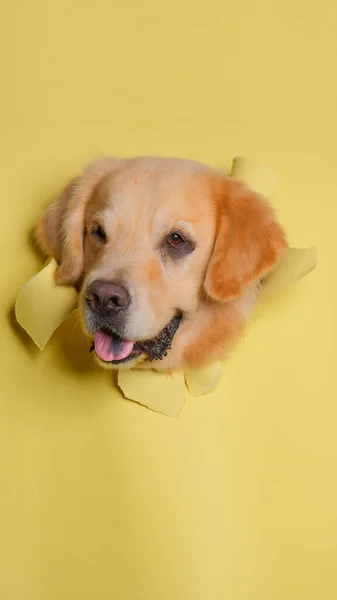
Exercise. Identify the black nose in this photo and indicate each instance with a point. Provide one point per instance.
(107, 298)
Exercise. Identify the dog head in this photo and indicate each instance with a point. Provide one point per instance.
(153, 245)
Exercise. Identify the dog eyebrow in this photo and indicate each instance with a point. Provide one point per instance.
(186, 227)
(101, 215)
(106, 216)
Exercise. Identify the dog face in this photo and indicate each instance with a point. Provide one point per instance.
(166, 255)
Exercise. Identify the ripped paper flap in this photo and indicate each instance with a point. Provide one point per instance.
(159, 392)
(42, 306)
(294, 264)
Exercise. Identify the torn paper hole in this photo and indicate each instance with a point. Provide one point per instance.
(42, 306)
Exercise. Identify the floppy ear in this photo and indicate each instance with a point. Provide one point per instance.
(249, 242)
(50, 235)
(60, 230)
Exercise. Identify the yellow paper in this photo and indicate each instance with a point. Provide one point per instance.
(42, 306)
(295, 264)
(257, 177)
(237, 499)
(157, 391)
(204, 380)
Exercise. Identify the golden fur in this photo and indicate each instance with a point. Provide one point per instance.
(138, 202)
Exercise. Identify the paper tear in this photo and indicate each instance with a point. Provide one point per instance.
(257, 177)
(295, 264)
(204, 379)
(159, 392)
(42, 306)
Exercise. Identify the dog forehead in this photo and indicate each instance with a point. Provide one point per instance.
(144, 192)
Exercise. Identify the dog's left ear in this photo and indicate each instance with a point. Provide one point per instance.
(249, 241)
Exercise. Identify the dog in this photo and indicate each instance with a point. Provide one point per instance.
(167, 255)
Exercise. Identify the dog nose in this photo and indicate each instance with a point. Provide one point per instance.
(107, 298)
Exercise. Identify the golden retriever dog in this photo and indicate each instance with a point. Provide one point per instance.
(167, 256)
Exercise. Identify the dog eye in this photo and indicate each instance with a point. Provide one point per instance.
(175, 239)
(178, 246)
(99, 233)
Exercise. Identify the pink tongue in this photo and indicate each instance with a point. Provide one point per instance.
(109, 348)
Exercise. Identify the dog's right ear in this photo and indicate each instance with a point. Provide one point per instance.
(60, 230)
(49, 232)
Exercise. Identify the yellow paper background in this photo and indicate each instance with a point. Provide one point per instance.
(100, 497)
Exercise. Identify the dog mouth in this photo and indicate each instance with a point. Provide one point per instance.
(111, 348)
